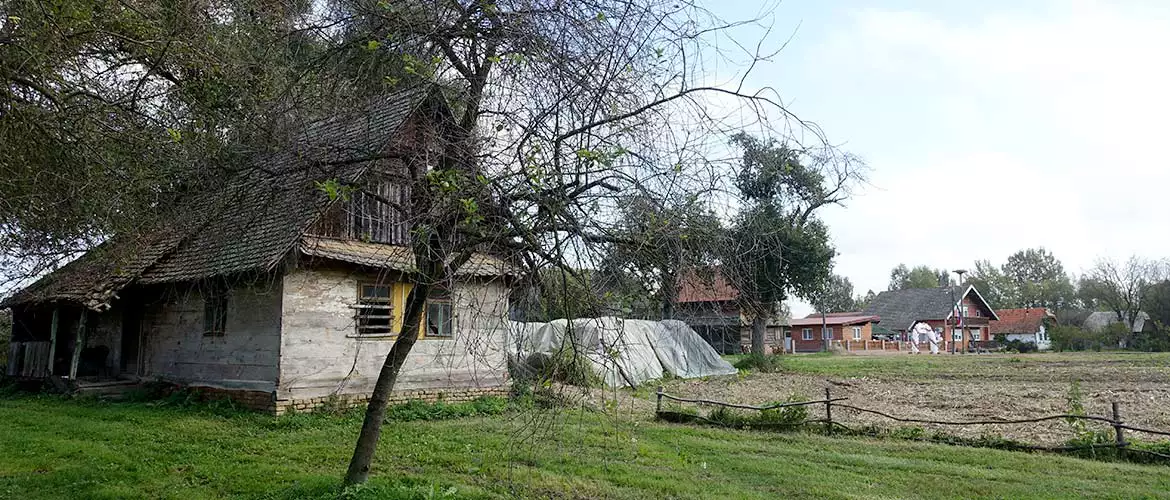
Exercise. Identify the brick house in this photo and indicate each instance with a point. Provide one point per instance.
(272, 292)
(1026, 325)
(961, 320)
(808, 334)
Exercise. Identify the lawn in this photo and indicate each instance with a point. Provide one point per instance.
(76, 449)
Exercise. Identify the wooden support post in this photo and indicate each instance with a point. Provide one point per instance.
(78, 345)
(658, 407)
(883, 345)
(53, 338)
(1118, 431)
(828, 411)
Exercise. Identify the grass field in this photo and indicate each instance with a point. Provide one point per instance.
(1012, 367)
(75, 449)
(1133, 366)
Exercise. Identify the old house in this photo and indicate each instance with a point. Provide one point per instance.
(708, 303)
(958, 313)
(1025, 325)
(809, 333)
(270, 290)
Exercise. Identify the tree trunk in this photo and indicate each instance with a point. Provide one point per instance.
(363, 453)
(669, 295)
(759, 326)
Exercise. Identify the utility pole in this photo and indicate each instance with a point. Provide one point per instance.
(952, 318)
(962, 334)
(827, 341)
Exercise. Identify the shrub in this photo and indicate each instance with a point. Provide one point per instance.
(788, 416)
(761, 363)
(727, 417)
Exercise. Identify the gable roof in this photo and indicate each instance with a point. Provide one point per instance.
(1099, 320)
(835, 320)
(1027, 320)
(252, 223)
(696, 288)
(900, 309)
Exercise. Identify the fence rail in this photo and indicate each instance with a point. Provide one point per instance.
(1119, 426)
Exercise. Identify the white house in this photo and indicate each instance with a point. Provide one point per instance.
(1025, 325)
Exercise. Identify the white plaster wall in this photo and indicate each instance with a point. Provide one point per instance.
(246, 357)
(320, 356)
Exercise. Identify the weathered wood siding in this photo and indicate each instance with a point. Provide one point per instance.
(245, 357)
(321, 356)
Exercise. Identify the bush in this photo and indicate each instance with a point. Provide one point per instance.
(789, 416)
(1020, 346)
(761, 363)
(1071, 338)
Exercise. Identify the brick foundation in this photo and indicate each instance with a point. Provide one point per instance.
(449, 395)
(266, 402)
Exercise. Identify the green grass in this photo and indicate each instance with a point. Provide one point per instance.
(74, 449)
(1022, 367)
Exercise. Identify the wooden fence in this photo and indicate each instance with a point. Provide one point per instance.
(829, 403)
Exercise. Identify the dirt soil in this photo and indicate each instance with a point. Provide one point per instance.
(989, 390)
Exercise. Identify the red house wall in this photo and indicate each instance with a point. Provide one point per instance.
(817, 343)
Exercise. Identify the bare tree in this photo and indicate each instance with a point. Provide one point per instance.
(1122, 286)
(560, 108)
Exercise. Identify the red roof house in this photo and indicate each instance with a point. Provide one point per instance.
(1027, 325)
(807, 334)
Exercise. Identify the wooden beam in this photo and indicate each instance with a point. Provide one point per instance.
(53, 338)
(78, 345)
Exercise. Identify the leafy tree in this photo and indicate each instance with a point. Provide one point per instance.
(114, 111)
(902, 277)
(992, 284)
(776, 247)
(1037, 279)
(1156, 303)
(836, 295)
(656, 240)
(863, 301)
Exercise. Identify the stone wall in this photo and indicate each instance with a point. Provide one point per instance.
(245, 357)
(321, 356)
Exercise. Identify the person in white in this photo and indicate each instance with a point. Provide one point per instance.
(924, 331)
(914, 339)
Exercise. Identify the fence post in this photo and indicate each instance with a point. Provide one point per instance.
(1120, 433)
(828, 411)
(658, 406)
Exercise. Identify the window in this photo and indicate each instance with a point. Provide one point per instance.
(965, 312)
(215, 310)
(806, 334)
(857, 333)
(977, 334)
(439, 313)
(956, 334)
(827, 333)
(374, 310)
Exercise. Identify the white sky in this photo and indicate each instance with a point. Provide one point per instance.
(989, 126)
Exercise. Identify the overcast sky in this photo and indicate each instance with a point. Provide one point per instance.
(989, 127)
